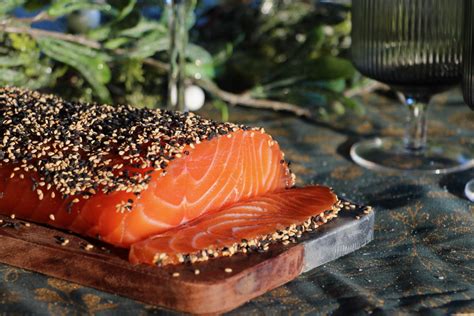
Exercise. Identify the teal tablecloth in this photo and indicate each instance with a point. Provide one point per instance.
(422, 258)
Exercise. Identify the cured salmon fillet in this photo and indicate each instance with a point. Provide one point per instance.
(244, 226)
(123, 174)
(172, 186)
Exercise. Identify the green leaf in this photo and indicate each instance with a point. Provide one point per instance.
(338, 108)
(328, 68)
(12, 77)
(344, 27)
(201, 65)
(288, 17)
(353, 104)
(199, 72)
(337, 85)
(100, 33)
(18, 77)
(315, 37)
(22, 42)
(224, 54)
(126, 10)
(90, 63)
(64, 7)
(105, 31)
(149, 45)
(131, 72)
(223, 108)
(116, 43)
(78, 49)
(11, 61)
(158, 41)
(35, 5)
(8, 5)
(43, 79)
(142, 27)
(198, 54)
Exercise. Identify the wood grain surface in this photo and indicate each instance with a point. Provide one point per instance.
(220, 286)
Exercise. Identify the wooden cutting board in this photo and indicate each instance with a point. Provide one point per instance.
(221, 285)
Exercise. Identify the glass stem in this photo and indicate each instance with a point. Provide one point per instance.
(177, 52)
(415, 133)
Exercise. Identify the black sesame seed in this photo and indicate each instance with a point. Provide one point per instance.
(69, 144)
(59, 239)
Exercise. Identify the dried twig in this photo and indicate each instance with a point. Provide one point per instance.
(372, 86)
(152, 62)
(37, 33)
(42, 16)
(245, 100)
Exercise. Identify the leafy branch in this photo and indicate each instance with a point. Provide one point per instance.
(124, 59)
(234, 99)
(37, 34)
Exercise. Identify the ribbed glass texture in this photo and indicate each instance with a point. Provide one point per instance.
(413, 45)
(468, 77)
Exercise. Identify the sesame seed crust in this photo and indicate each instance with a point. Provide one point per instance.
(290, 234)
(83, 148)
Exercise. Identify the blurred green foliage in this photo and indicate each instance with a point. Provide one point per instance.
(293, 53)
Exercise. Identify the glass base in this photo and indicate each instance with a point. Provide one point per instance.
(469, 190)
(389, 154)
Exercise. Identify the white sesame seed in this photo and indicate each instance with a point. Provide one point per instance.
(89, 247)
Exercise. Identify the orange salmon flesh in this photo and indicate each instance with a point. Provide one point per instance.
(214, 175)
(164, 184)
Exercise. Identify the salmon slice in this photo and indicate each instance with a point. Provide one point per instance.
(243, 226)
(173, 186)
(124, 174)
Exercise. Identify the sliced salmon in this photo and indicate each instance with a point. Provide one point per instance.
(173, 186)
(269, 217)
(77, 166)
(215, 174)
